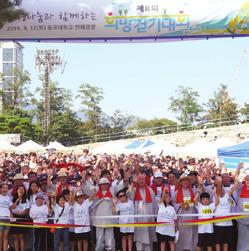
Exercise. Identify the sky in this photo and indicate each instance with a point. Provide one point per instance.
(140, 78)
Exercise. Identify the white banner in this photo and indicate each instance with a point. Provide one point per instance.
(106, 20)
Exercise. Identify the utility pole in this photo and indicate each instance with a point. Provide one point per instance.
(47, 61)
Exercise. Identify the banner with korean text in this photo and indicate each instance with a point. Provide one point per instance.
(132, 20)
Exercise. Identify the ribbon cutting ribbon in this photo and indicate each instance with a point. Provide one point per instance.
(135, 224)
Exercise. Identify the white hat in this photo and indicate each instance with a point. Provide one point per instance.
(158, 174)
(104, 181)
(18, 176)
(79, 194)
(62, 174)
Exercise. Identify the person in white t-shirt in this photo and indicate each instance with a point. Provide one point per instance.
(125, 207)
(166, 213)
(20, 209)
(5, 202)
(205, 210)
(39, 213)
(81, 208)
(224, 230)
(61, 214)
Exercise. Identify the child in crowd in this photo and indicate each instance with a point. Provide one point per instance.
(166, 213)
(125, 206)
(61, 214)
(39, 213)
(81, 208)
(5, 202)
(205, 209)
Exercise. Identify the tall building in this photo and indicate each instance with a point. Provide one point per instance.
(11, 57)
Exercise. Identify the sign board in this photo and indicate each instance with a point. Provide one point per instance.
(11, 138)
(128, 20)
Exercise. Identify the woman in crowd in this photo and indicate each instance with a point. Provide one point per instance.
(19, 209)
(184, 199)
(5, 202)
(32, 192)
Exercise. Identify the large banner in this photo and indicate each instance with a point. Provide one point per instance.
(105, 20)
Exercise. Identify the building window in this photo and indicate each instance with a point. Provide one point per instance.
(8, 69)
(8, 55)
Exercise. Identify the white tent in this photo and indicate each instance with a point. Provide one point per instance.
(30, 146)
(200, 148)
(56, 145)
(6, 146)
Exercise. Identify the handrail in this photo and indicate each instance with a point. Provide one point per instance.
(136, 133)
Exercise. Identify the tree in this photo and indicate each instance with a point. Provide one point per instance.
(152, 123)
(65, 127)
(10, 11)
(185, 104)
(245, 110)
(17, 94)
(20, 125)
(90, 97)
(221, 106)
(119, 121)
(60, 101)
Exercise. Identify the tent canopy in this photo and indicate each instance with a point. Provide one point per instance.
(56, 145)
(6, 146)
(241, 150)
(30, 146)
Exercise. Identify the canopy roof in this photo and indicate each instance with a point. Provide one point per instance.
(239, 150)
(30, 146)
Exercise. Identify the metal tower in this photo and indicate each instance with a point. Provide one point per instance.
(47, 61)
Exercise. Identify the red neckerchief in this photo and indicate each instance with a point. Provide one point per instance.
(154, 188)
(138, 196)
(61, 188)
(179, 195)
(244, 193)
(100, 194)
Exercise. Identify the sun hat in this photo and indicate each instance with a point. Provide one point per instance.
(18, 176)
(104, 181)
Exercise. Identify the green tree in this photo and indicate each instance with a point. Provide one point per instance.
(186, 104)
(245, 109)
(221, 106)
(152, 123)
(119, 121)
(10, 11)
(20, 125)
(65, 127)
(90, 97)
(60, 101)
(17, 94)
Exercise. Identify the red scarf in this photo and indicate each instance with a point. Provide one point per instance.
(154, 188)
(100, 194)
(244, 193)
(179, 195)
(138, 196)
(61, 188)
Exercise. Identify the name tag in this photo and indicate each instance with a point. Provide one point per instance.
(246, 206)
(206, 211)
(187, 200)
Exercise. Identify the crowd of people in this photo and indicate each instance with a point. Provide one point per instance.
(125, 202)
